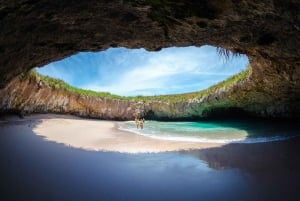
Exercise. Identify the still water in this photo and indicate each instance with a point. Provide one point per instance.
(34, 169)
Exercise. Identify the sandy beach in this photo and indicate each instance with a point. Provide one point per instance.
(49, 157)
(99, 135)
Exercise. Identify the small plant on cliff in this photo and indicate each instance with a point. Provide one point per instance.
(226, 54)
(59, 84)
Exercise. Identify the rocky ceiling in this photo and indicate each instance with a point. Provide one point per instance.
(36, 32)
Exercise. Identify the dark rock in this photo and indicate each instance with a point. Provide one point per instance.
(35, 33)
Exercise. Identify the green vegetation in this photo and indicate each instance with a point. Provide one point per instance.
(226, 83)
(60, 84)
(34, 76)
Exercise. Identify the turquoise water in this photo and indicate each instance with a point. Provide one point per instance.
(212, 131)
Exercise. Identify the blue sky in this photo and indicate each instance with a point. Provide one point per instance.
(132, 72)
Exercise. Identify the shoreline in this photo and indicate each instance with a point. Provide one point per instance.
(99, 135)
(268, 171)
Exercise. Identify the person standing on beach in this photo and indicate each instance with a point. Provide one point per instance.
(137, 123)
(141, 123)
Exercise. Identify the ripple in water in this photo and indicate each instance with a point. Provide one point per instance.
(214, 131)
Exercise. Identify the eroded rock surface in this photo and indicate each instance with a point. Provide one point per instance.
(36, 32)
(25, 96)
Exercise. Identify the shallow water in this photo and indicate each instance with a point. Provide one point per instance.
(238, 131)
(34, 169)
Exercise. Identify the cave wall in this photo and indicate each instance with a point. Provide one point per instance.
(36, 32)
(24, 96)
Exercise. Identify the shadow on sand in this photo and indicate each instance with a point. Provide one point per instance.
(35, 169)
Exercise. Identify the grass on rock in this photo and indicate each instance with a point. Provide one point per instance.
(61, 85)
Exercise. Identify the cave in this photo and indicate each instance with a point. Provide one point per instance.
(37, 33)
(60, 157)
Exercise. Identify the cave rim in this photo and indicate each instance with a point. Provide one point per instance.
(263, 57)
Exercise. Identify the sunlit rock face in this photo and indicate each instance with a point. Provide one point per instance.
(34, 33)
(24, 96)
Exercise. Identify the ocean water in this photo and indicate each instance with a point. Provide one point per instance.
(237, 131)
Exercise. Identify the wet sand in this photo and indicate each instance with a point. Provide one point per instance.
(104, 136)
(36, 168)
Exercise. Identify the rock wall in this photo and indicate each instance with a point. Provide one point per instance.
(36, 32)
(24, 96)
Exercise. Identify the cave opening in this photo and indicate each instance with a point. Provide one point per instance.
(137, 72)
(263, 164)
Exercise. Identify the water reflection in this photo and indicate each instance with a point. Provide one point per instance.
(273, 167)
(34, 169)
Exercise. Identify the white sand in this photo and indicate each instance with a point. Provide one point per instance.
(103, 136)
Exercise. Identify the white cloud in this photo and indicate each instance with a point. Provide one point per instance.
(137, 72)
